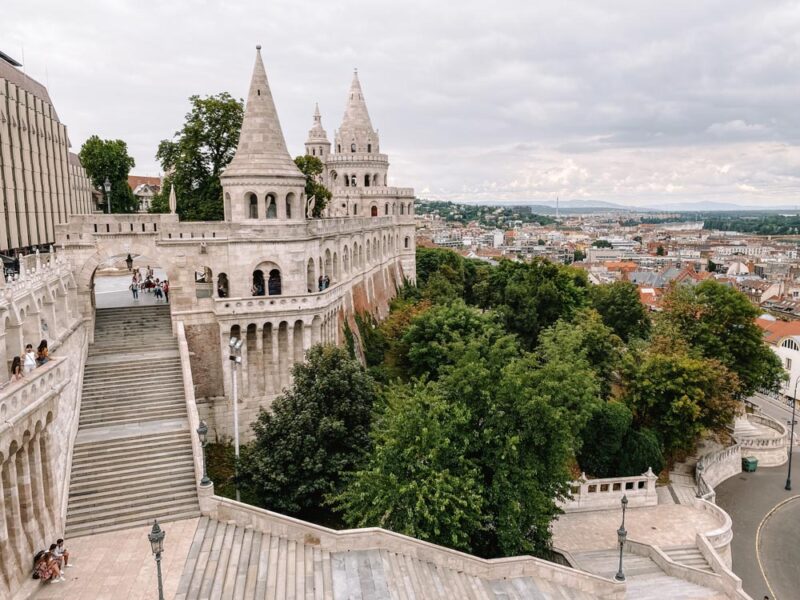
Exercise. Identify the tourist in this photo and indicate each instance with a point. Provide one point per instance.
(221, 291)
(134, 287)
(321, 283)
(326, 282)
(29, 360)
(157, 290)
(45, 567)
(61, 554)
(42, 353)
(16, 369)
(165, 289)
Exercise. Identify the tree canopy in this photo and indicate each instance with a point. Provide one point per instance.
(109, 159)
(197, 155)
(312, 168)
(621, 309)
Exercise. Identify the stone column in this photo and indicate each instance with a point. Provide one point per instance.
(306, 337)
(25, 497)
(224, 339)
(14, 519)
(51, 489)
(258, 358)
(290, 352)
(40, 498)
(8, 563)
(276, 365)
(244, 368)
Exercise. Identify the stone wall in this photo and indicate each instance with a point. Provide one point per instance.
(205, 357)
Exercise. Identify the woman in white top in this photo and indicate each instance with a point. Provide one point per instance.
(29, 359)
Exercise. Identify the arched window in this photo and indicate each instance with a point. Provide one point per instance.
(411, 208)
(386, 209)
(375, 179)
(272, 206)
(289, 202)
(402, 208)
(374, 211)
(257, 288)
(366, 180)
(352, 147)
(253, 206)
(334, 177)
(369, 147)
(790, 344)
(355, 209)
(320, 151)
(222, 285)
(406, 242)
(339, 148)
(347, 181)
(274, 283)
(353, 180)
(310, 280)
(313, 152)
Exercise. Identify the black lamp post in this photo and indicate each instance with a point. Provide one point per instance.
(202, 433)
(156, 537)
(788, 485)
(129, 262)
(621, 537)
(107, 188)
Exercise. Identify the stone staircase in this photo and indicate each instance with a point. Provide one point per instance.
(689, 556)
(645, 579)
(229, 562)
(132, 460)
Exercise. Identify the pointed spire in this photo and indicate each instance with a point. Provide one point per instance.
(356, 116)
(317, 132)
(262, 148)
(173, 201)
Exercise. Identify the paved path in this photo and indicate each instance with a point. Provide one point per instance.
(777, 549)
(747, 498)
(120, 565)
(113, 291)
(667, 526)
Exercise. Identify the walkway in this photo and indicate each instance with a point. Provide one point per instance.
(112, 291)
(111, 566)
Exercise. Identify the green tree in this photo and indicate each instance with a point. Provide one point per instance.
(430, 260)
(419, 480)
(678, 395)
(719, 322)
(578, 256)
(602, 244)
(660, 250)
(197, 155)
(711, 266)
(641, 450)
(603, 439)
(313, 433)
(532, 296)
(109, 159)
(621, 309)
(312, 168)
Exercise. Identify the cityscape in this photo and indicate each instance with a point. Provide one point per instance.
(370, 302)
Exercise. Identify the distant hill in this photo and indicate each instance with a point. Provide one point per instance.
(548, 207)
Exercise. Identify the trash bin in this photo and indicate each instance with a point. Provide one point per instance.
(749, 464)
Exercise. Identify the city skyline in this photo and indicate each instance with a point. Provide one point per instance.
(687, 103)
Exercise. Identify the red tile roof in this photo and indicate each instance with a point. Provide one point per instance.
(136, 180)
(774, 330)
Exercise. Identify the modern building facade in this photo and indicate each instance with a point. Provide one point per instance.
(41, 182)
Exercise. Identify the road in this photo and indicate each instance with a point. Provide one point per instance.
(748, 498)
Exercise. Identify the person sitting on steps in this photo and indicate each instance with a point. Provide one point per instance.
(61, 554)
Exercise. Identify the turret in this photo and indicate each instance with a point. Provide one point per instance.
(356, 134)
(317, 143)
(262, 181)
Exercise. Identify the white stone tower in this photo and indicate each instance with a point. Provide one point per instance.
(262, 182)
(317, 143)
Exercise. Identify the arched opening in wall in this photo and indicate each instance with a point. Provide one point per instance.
(203, 282)
(336, 276)
(394, 208)
(227, 204)
(339, 148)
(374, 179)
(222, 286)
(252, 359)
(411, 208)
(112, 283)
(402, 208)
(352, 147)
(274, 283)
(258, 288)
(368, 252)
(334, 177)
(369, 148)
(346, 260)
(386, 209)
(328, 265)
(252, 203)
(373, 211)
(313, 152)
(272, 206)
(316, 330)
(406, 242)
(366, 180)
(384, 181)
(289, 202)
(355, 209)
(236, 331)
(347, 180)
(311, 283)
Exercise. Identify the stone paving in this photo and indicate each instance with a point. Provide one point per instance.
(662, 525)
(119, 564)
(112, 291)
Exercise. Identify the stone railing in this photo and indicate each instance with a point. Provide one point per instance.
(35, 270)
(246, 516)
(17, 397)
(720, 537)
(714, 468)
(280, 304)
(602, 494)
(772, 451)
(191, 403)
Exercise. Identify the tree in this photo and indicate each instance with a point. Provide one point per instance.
(602, 244)
(312, 168)
(660, 250)
(621, 309)
(532, 296)
(430, 260)
(578, 256)
(711, 266)
(678, 395)
(314, 432)
(719, 322)
(109, 159)
(603, 438)
(197, 155)
(419, 480)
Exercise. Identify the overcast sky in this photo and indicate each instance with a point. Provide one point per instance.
(638, 102)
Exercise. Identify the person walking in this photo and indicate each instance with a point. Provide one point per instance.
(134, 287)
(42, 353)
(165, 289)
(157, 290)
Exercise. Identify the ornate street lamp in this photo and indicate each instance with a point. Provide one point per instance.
(129, 262)
(235, 345)
(156, 537)
(107, 188)
(621, 537)
(202, 433)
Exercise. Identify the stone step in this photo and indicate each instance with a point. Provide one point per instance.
(144, 518)
(101, 472)
(689, 556)
(130, 504)
(127, 442)
(157, 376)
(125, 457)
(105, 499)
(118, 401)
(164, 414)
(121, 483)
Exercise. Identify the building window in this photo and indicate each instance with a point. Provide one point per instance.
(369, 147)
(352, 147)
(788, 364)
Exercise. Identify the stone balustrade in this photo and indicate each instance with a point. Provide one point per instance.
(771, 451)
(714, 468)
(17, 397)
(606, 494)
(280, 304)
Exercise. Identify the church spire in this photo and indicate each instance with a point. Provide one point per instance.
(262, 149)
(356, 133)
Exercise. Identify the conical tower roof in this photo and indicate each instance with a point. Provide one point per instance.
(317, 132)
(262, 149)
(356, 116)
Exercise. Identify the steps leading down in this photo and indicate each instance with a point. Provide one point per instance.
(230, 562)
(132, 460)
